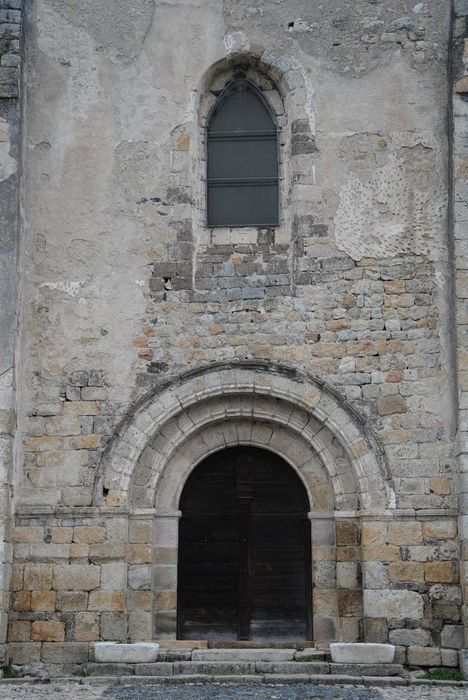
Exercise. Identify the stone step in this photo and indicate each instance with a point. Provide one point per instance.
(236, 655)
(257, 654)
(259, 645)
(256, 668)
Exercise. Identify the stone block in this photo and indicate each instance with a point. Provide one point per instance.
(406, 571)
(349, 629)
(366, 669)
(111, 601)
(347, 533)
(140, 626)
(449, 657)
(463, 660)
(393, 603)
(101, 669)
(142, 600)
(375, 630)
(86, 627)
(137, 653)
(65, 653)
(19, 631)
(24, 652)
(139, 554)
(102, 552)
(349, 602)
(114, 576)
(43, 601)
(48, 631)
(76, 577)
(374, 575)
(391, 405)
(423, 656)
(404, 533)
(161, 668)
(69, 601)
(62, 535)
(452, 636)
(37, 577)
(139, 577)
(238, 655)
(346, 574)
(140, 531)
(445, 594)
(439, 572)
(440, 529)
(113, 626)
(362, 653)
(410, 637)
(89, 535)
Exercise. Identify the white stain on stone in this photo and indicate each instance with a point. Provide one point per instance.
(387, 213)
(7, 163)
(235, 41)
(70, 288)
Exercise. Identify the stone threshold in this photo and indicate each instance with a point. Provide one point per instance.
(267, 679)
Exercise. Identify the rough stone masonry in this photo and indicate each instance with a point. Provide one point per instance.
(135, 341)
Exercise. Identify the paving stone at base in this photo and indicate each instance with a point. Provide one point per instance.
(187, 678)
(100, 669)
(234, 655)
(383, 681)
(158, 668)
(286, 678)
(367, 669)
(243, 679)
(291, 667)
(214, 667)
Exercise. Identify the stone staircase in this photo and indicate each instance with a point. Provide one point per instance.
(258, 663)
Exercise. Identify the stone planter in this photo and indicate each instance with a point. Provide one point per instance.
(355, 653)
(137, 653)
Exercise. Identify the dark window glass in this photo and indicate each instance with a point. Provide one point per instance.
(242, 171)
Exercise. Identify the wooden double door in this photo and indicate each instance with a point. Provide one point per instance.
(244, 569)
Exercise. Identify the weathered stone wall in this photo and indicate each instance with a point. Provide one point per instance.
(10, 30)
(459, 225)
(125, 288)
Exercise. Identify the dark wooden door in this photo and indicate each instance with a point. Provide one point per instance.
(244, 550)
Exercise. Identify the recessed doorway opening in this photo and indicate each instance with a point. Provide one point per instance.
(244, 569)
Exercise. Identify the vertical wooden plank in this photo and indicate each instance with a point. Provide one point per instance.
(244, 493)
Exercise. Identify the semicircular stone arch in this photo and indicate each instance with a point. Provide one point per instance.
(271, 406)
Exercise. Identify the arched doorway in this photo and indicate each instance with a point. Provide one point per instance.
(244, 550)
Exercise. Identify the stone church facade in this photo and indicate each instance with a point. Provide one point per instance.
(137, 341)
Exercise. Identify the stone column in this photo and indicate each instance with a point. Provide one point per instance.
(165, 553)
(459, 227)
(10, 30)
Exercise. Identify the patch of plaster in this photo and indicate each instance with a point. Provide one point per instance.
(70, 288)
(7, 162)
(80, 70)
(389, 211)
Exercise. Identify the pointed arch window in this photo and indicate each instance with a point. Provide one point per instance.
(242, 158)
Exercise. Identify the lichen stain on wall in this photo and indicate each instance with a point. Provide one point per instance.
(395, 208)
